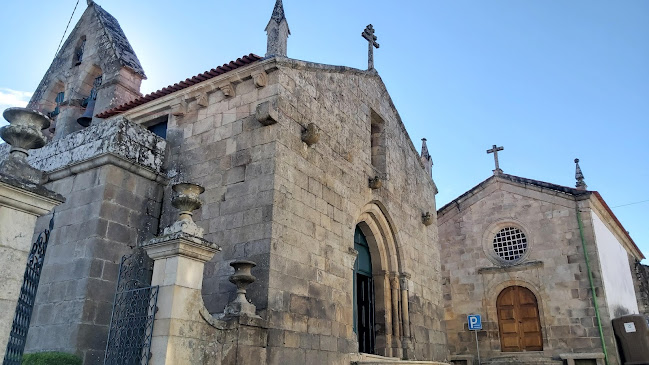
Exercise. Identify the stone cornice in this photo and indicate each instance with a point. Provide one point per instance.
(28, 201)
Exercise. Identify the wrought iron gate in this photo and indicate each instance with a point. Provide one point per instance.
(134, 308)
(23, 316)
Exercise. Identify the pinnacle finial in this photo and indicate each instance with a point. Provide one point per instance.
(426, 159)
(579, 176)
(277, 31)
(90, 2)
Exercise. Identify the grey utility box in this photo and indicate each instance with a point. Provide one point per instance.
(633, 339)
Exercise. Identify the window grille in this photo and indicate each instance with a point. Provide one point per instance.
(510, 244)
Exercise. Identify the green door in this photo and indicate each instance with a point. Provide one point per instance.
(363, 295)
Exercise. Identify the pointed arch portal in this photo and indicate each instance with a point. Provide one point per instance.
(363, 295)
(381, 319)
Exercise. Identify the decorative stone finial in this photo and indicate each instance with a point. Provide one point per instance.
(90, 2)
(23, 134)
(242, 277)
(579, 176)
(427, 219)
(277, 31)
(311, 134)
(186, 200)
(375, 183)
(426, 159)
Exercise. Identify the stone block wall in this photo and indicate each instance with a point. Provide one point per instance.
(113, 197)
(554, 270)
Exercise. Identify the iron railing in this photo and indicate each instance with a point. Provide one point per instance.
(134, 308)
(25, 306)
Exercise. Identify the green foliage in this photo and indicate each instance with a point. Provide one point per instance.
(50, 358)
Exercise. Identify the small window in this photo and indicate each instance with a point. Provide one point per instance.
(158, 126)
(378, 144)
(78, 52)
(510, 244)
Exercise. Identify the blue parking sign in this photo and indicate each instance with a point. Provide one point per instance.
(475, 322)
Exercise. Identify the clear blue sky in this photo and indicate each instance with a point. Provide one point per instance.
(550, 80)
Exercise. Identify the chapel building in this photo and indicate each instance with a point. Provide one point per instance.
(527, 256)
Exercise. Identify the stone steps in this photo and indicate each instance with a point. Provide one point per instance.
(522, 360)
(366, 359)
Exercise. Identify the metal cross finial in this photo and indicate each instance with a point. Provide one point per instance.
(495, 150)
(371, 39)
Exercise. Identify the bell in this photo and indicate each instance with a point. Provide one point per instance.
(86, 118)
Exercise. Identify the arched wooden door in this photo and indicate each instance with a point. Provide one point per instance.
(518, 320)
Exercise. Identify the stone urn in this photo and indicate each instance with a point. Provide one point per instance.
(186, 200)
(242, 277)
(24, 130)
(23, 134)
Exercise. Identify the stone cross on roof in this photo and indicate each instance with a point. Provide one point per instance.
(495, 150)
(371, 39)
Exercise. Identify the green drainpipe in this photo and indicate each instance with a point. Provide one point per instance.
(592, 286)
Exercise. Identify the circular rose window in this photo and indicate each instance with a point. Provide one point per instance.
(510, 244)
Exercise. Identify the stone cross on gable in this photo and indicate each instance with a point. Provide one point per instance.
(371, 39)
(495, 150)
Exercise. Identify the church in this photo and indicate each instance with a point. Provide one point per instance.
(275, 211)
(299, 175)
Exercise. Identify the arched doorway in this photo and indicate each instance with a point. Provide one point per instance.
(518, 320)
(363, 294)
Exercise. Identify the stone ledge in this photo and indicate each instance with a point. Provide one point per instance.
(520, 267)
(227, 323)
(117, 137)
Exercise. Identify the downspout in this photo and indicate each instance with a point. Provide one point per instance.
(592, 285)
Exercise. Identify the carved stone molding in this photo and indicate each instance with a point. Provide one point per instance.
(311, 135)
(228, 89)
(427, 219)
(261, 79)
(179, 109)
(375, 182)
(267, 113)
(202, 99)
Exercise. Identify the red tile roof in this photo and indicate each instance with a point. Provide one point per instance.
(240, 62)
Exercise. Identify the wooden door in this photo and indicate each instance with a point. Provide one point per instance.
(518, 320)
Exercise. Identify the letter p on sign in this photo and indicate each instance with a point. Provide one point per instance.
(475, 322)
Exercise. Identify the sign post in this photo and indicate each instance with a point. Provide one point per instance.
(475, 324)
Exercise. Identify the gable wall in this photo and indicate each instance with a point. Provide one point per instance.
(320, 193)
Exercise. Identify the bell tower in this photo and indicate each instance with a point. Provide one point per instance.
(95, 69)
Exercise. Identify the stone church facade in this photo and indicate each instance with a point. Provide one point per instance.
(513, 252)
(305, 169)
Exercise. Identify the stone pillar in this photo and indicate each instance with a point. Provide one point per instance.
(22, 201)
(179, 258)
(404, 313)
(394, 285)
